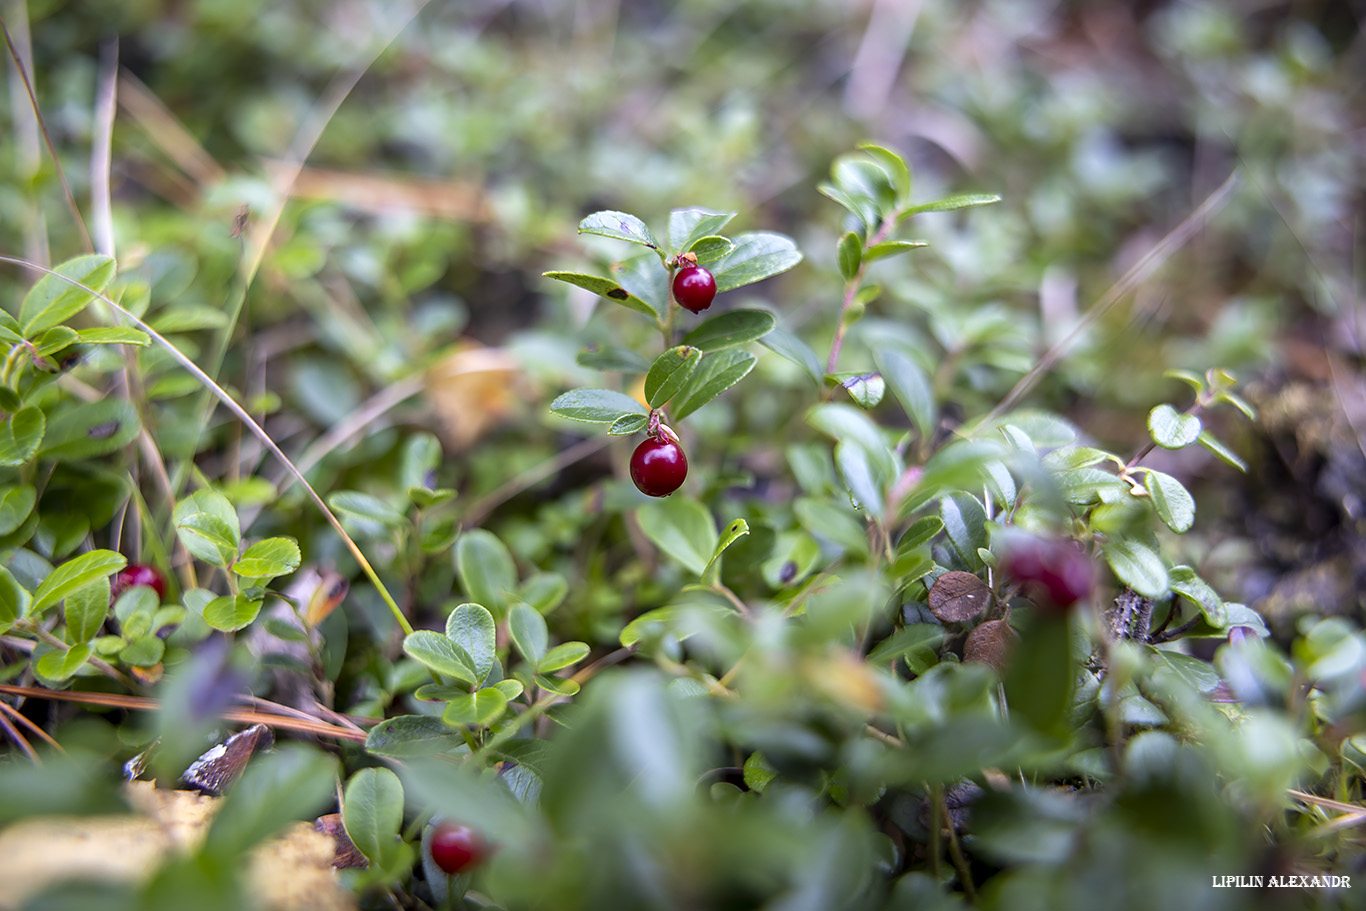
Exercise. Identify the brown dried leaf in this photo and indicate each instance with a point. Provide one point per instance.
(957, 597)
(989, 644)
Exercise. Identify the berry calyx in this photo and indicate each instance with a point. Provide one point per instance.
(135, 574)
(694, 288)
(457, 848)
(658, 466)
(1054, 573)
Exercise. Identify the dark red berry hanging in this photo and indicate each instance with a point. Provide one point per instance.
(137, 574)
(658, 466)
(694, 288)
(456, 849)
(1054, 573)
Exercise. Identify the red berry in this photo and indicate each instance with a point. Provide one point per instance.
(694, 288)
(135, 574)
(1055, 573)
(658, 466)
(456, 849)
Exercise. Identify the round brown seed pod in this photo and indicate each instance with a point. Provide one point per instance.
(989, 644)
(957, 597)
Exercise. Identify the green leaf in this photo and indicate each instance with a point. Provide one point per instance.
(892, 248)
(59, 665)
(561, 686)
(756, 256)
(471, 627)
(785, 344)
(734, 532)
(628, 424)
(950, 203)
(595, 406)
(53, 300)
(269, 558)
(911, 386)
(710, 249)
(1226, 455)
(1138, 566)
(860, 477)
(75, 574)
(850, 254)
(85, 610)
(681, 528)
(688, 226)
(366, 507)
(212, 504)
(511, 689)
(53, 340)
(718, 372)
(909, 638)
(897, 172)
(1172, 430)
(419, 457)
(1186, 583)
(528, 631)
(1174, 504)
(231, 612)
(143, 651)
(607, 288)
(669, 373)
(1041, 674)
(621, 225)
(486, 570)
(90, 429)
(479, 709)
(562, 656)
(922, 532)
(14, 600)
(372, 811)
(15, 505)
(964, 520)
(735, 327)
(114, 335)
(867, 389)
(440, 653)
(646, 279)
(612, 357)
(207, 537)
(824, 519)
(412, 736)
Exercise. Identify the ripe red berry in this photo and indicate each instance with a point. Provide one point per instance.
(1055, 573)
(456, 849)
(658, 466)
(694, 288)
(135, 574)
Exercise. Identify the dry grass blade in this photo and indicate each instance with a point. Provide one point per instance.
(250, 423)
(1174, 240)
(165, 131)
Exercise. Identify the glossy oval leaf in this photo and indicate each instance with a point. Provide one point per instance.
(85, 610)
(59, 665)
(717, 372)
(486, 570)
(669, 373)
(950, 203)
(1172, 430)
(621, 225)
(681, 528)
(562, 656)
(440, 653)
(90, 429)
(269, 558)
(113, 335)
(74, 574)
(737, 327)
(1174, 504)
(756, 256)
(1138, 566)
(366, 507)
(14, 600)
(15, 505)
(471, 626)
(628, 424)
(529, 633)
(867, 389)
(231, 612)
(688, 226)
(479, 709)
(859, 475)
(20, 435)
(849, 254)
(411, 737)
(372, 811)
(911, 386)
(964, 521)
(53, 300)
(595, 406)
(605, 287)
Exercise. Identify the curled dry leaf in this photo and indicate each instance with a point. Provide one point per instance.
(957, 597)
(989, 644)
(345, 853)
